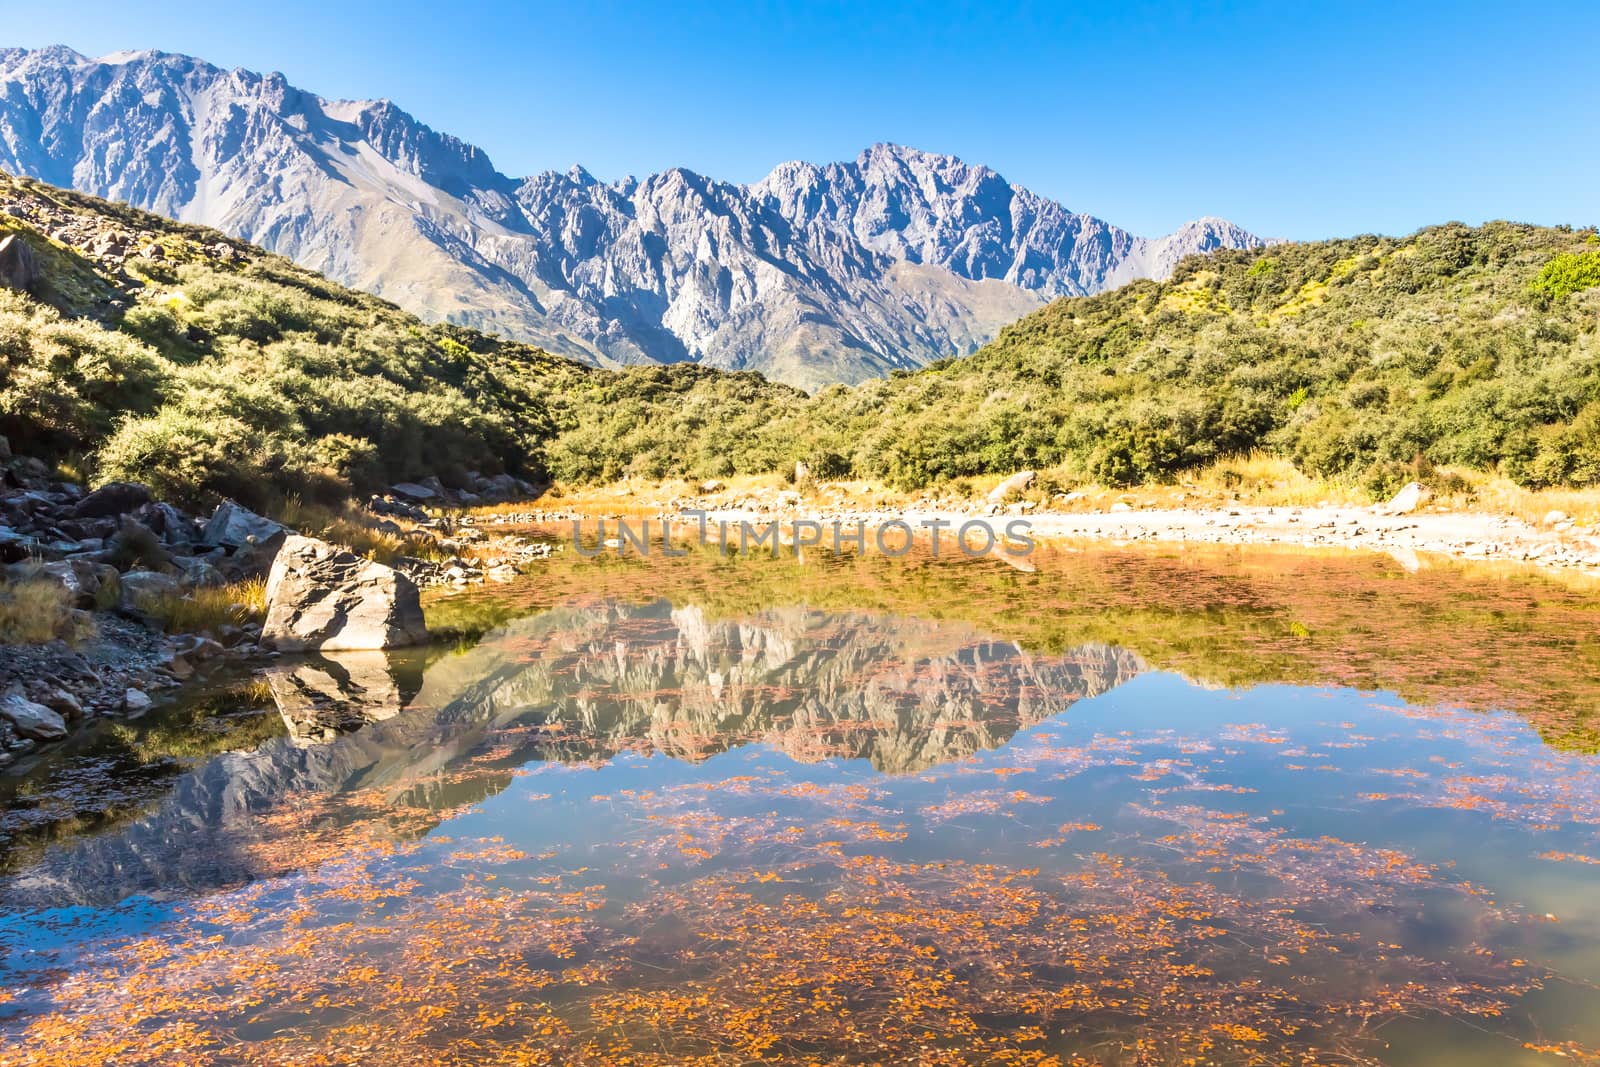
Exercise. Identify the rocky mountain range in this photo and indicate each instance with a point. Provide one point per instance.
(815, 274)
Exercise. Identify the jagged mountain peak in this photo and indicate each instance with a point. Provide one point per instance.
(816, 273)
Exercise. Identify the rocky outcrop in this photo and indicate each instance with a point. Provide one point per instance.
(817, 273)
(35, 722)
(120, 559)
(243, 533)
(18, 268)
(322, 598)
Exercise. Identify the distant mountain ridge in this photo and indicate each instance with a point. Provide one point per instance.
(815, 274)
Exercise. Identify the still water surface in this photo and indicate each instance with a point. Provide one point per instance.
(1127, 807)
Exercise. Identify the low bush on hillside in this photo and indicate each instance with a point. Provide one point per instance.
(1357, 359)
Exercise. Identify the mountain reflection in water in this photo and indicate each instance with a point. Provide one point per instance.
(864, 831)
(582, 683)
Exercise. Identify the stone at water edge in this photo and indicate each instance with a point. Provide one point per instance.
(1014, 484)
(136, 702)
(1407, 500)
(63, 704)
(33, 721)
(323, 598)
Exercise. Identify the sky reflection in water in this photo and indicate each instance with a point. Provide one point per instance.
(619, 830)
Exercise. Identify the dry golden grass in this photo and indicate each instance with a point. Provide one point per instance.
(358, 531)
(210, 607)
(33, 611)
(1502, 496)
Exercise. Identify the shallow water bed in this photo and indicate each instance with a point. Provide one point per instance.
(860, 811)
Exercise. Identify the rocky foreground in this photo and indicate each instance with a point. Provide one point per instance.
(110, 572)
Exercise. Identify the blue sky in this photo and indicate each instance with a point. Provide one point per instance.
(1301, 121)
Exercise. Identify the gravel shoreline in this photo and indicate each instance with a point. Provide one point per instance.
(1558, 544)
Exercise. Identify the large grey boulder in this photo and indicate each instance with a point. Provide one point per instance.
(81, 579)
(34, 721)
(111, 500)
(320, 597)
(1014, 484)
(412, 491)
(18, 267)
(1407, 500)
(142, 590)
(249, 535)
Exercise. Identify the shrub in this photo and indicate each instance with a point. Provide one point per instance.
(1568, 273)
(36, 610)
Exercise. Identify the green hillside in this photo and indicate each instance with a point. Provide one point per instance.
(1467, 346)
(168, 353)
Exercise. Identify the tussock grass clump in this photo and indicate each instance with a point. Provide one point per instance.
(209, 607)
(36, 610)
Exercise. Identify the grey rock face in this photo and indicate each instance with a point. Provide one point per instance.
(33, 721)
(323, 598)
(814, 274)
(140, 588)
(247, 535)
(112, 499)
(18, 269)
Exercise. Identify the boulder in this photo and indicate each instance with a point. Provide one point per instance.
(33, 721)
(711, 486)
(136, 702)
(247, 534)
(14, 547)
(199, 648)
(141, 587)
(82, 579)
(1014, 484)
(174, 527)
(1407, 500)
(500, 487)
(197, 572)
(320, 597)
(27, 472)
(63, 703)
(412, 491)
(18, 267)
(111, 500)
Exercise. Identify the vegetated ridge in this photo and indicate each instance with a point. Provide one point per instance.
(135, 347)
